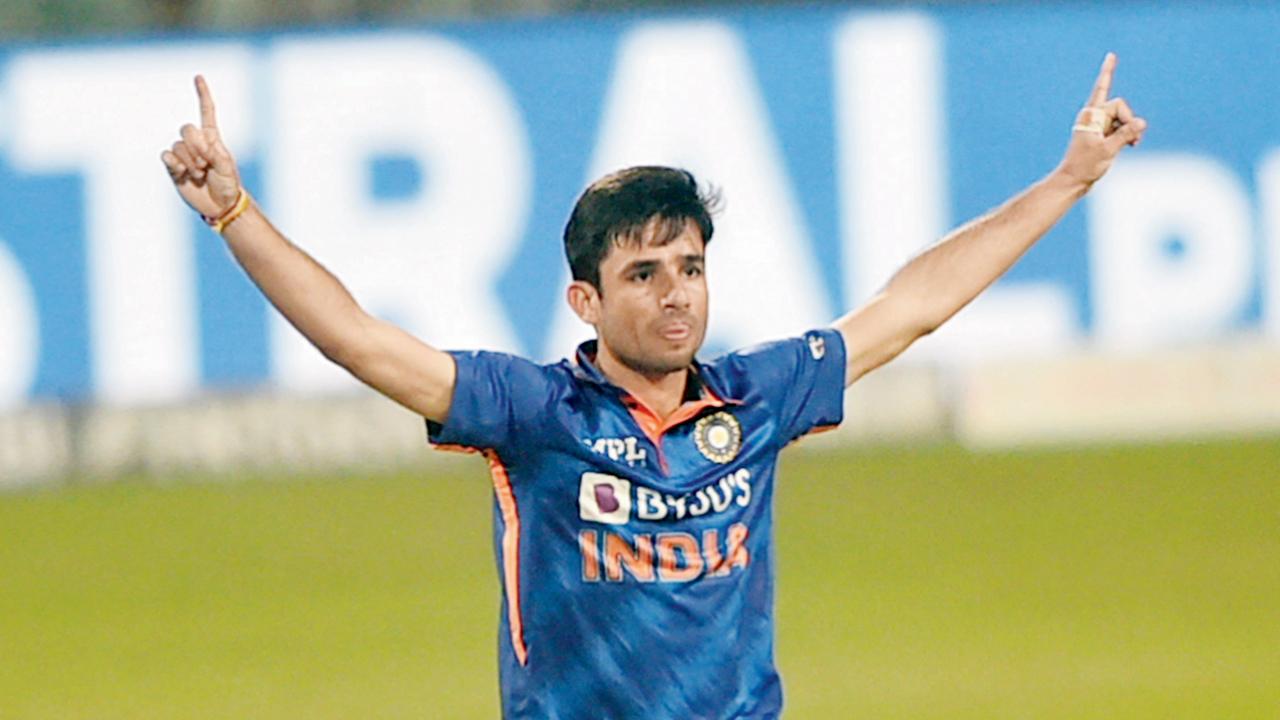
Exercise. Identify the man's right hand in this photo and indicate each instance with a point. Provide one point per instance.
(200, 166)
(1104, 126)
(380, 354)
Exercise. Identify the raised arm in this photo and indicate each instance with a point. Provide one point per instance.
(936, 284)
(381, 355)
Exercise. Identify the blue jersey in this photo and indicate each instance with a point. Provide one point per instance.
(635, 553)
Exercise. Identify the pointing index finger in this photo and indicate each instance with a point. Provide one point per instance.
(1102, 88)
(208, 118)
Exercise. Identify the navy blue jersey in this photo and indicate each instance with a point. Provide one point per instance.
(635, 553)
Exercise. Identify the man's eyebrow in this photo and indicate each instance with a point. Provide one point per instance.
(637, 265)
(642, 265)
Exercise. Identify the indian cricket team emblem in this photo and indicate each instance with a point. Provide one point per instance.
(718, 437)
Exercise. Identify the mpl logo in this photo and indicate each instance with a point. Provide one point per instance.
(604, 499)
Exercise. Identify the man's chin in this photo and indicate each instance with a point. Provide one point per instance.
(663, 363)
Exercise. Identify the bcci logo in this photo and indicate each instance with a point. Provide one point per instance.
(718, 437)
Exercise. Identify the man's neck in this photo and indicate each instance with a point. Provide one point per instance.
(662, 393)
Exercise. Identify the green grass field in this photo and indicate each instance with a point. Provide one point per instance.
(914, 583)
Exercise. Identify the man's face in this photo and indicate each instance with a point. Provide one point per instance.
(653, 301)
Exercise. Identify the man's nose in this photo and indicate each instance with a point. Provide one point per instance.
(676, 294)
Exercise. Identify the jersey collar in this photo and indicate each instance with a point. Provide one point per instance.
(699, 394)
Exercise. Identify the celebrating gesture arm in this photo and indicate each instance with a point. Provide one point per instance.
(381, 355)
(936, 284)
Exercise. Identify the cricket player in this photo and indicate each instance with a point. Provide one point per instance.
(633, 483)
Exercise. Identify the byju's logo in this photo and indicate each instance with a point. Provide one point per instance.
(604, 499)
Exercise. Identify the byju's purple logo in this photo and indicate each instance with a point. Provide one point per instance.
(604, 499)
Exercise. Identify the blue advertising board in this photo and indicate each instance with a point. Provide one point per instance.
(432, 169)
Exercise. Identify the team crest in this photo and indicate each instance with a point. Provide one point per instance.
(718, 437)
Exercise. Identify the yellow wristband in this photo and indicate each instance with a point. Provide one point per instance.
(235, 211)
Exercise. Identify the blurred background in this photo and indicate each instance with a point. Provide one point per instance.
(79, 18)
(1063, 504)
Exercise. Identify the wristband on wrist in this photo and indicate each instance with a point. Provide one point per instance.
(241, 204)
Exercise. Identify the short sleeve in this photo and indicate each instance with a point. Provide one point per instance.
(498, 400)
(800, 380)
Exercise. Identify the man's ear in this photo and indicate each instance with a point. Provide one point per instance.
(584, 298)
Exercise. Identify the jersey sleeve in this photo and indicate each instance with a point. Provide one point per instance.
(801, 380)
(498, 400)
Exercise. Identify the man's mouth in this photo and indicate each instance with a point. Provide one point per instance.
(675, 330)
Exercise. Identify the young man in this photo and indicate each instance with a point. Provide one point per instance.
(633, 484)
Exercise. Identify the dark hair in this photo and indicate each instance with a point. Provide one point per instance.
(616, 208)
